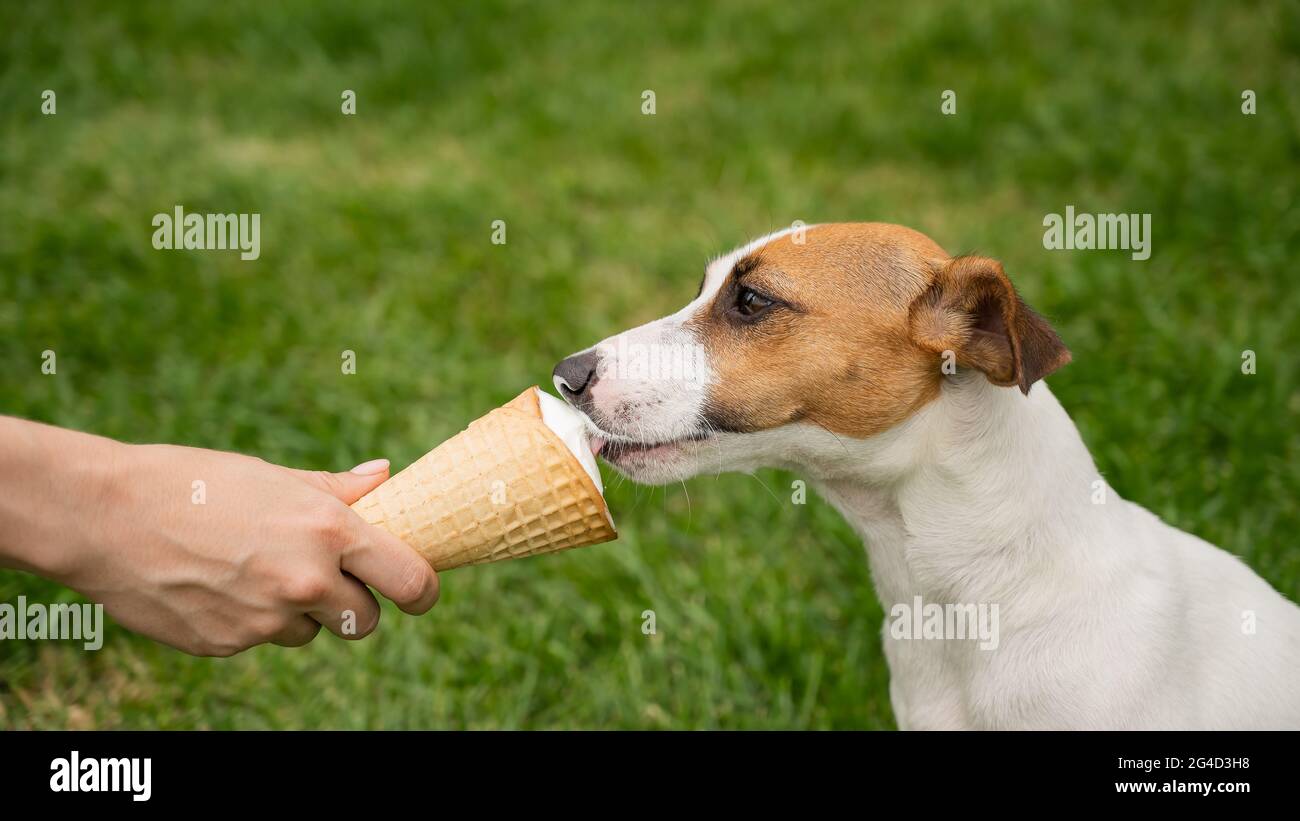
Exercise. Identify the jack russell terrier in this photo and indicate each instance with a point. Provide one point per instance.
(904, 384)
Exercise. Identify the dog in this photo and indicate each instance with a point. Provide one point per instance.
(906, 386)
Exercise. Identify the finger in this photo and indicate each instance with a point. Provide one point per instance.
(349, 486)
(350, 611)
(389, 565)
(299, 632)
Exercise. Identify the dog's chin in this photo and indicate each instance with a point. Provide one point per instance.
(657, 464)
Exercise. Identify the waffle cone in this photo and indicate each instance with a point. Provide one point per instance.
(503, 488)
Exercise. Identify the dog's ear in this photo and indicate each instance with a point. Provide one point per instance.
(972, 310)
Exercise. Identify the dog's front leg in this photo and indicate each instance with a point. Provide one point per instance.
(922, 692)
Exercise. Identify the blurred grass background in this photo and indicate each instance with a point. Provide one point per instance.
(376, 238)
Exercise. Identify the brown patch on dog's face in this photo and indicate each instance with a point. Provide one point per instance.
(848, 329)
(834, 347)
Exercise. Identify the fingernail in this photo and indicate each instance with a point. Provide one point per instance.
(371, 468)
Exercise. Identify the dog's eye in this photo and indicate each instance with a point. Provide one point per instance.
(751, 303)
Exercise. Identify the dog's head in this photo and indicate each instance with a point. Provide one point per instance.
(848, 328)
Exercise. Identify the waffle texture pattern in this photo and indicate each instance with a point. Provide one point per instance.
(504, 488)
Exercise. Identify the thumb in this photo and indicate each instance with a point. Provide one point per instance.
(350, 486)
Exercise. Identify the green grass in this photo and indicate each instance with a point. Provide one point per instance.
(375, 238)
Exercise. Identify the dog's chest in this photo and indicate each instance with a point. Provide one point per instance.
(944, 631)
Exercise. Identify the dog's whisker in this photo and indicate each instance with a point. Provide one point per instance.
(769, 490)
(713, 437)
(843, 446)
(689, 511)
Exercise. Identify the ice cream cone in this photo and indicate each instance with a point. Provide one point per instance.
(505, 487)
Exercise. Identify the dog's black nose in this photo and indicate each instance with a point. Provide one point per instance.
(575, 376)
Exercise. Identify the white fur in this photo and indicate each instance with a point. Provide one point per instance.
(653, 408)
(1109, 618)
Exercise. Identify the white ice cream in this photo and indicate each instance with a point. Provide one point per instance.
(569, 426)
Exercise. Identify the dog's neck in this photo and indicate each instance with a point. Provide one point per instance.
(980, 491)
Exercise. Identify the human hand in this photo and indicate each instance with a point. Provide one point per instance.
(256, 553)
